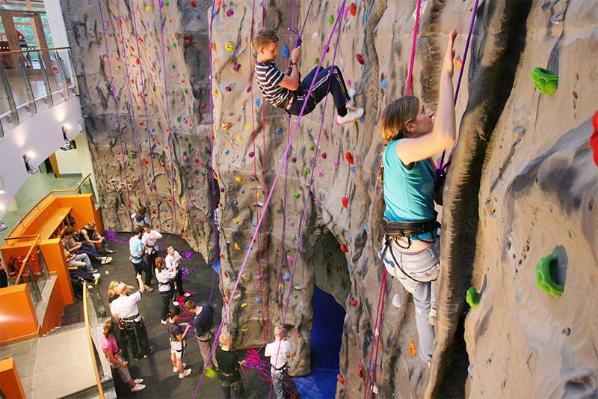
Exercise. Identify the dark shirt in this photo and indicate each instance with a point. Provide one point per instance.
(228, 362)
(173, 329)
(203, 321)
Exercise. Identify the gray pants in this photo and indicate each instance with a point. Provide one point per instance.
(422, 266)
(81, 260)
(278, 383)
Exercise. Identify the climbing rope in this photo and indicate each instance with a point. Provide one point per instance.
(283, 161)
(413, 46)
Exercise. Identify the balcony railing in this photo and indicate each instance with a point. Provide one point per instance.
(29, 267)
(32, 81)
(92, 325)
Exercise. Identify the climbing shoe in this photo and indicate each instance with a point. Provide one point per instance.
(350, 116)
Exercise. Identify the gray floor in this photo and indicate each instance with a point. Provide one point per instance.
(34, 189)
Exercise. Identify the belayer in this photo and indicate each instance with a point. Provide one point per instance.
(411, 250)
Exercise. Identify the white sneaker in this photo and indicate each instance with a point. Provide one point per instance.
(175, 370)
(138, 387)
(138, 381)
(185, 374)
(175, 303)
(396, 301)
(163, 322)
(351, 103)
(187, 294)
(350, 117)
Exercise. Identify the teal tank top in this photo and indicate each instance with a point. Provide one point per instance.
(408, 193)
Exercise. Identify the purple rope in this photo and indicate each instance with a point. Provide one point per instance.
(117, 108)
(142, 94)
(283, 161)
(442, 166)
(300, 34)
(167, 115)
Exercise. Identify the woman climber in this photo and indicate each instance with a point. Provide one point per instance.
(289, 92)
(412, 247)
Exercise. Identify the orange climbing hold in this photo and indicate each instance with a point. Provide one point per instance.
(349, 158)
(412, 348)
(353, 302)
(594, 138)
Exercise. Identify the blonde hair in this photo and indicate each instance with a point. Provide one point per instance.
(396, 115)
(225, 339)
(112, 289)
(265, 37)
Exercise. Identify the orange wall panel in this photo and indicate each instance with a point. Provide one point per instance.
(10, 383)
(83, 208)
(17, 314)
(54, 256)
(54, 311)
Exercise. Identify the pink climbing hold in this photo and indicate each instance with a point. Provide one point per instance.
(218, 3)
(229, 12)
(349, 158)
(345, 202)
(360, 58)
(594, 138)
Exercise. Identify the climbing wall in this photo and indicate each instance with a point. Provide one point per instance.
(521, 186)
(142, 68)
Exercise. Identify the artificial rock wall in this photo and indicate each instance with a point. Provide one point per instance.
(522, 183)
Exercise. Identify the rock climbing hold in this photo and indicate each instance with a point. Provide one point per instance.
(383, 83)
(544, 276)
(360, 58)
(237, 246)
(353, 302)
(344, 248)
(360, 370)
(349, 158)
(331, 19)
(258, 102)
(229, 12)
(306, 171)
(345, 202)
(286, 277)
(237, 220)
(353, 9)
(258, 299)
(228, 88)
(545, 80)
(594, 138)
(412, 348)
(251, 154)
(296, 196)
(285, 51)
(340, 379)
(458, 62)
(238, 179)
(229, 46)
(293, 159)
(324, 155)
(245, 276)
(226, 125)
(148, 8)
(244, 305)
(278, 130)
(472, 297)
(236, 67)
(316, 61)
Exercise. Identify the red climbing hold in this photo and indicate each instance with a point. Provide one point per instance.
(349, 158)
(344, 248)
(345, 202)
(193, 2)
(236, 67)
(360, 58)
(360, 370)
(251, 154)
(324, 155)
(353, 302)
(594, 138)
(229, 12)
(340, 379)
(353, 9)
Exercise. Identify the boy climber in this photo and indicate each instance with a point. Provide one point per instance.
(289, 93)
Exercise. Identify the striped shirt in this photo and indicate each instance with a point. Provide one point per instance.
(268, 78)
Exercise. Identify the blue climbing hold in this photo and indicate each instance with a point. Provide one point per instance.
(278, 130)
(362, 119)
(285, 51)
(353, 169)
(287, 277)
(258, 102)
(383, 84)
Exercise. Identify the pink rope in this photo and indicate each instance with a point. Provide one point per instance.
(413, 46)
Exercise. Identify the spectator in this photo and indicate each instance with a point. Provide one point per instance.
(279, 352)
(140, 218)
(126, 313)
(136, 250)
(172, 263)
(74, 247)
(177, 343)
(90, 235)
(204, 332)
(112, 353)
(81, 261)
(164, 277)
(229, 365)
(150, 241)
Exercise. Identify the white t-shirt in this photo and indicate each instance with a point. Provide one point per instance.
(285, 350)
(151, 241)
(172, 262)
(126, 306)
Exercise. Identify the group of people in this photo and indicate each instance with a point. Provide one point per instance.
(414, 135)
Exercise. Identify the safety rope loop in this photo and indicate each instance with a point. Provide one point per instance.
(465, 51)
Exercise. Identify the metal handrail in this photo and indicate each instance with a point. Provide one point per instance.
(90, 342)
(51, 193)
(12, 52)
(18, 280)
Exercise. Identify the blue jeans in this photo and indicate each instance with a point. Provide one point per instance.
(328, 80)
(423, 266)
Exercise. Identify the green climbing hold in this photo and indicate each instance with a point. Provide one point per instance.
(296, 195)
(546, 81)
(306, 171)
(331, 19)
(472, 297)
(544, 278)
(312, 147)
(316, 61)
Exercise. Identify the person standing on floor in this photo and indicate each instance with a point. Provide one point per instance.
(137, 250)
(228, 368)
(126, 314)
(140, 218)
(114, 357)
(150, 241)
(279, 352)
(204, 332)
(164, 277)
(177, 343)
(173, 258)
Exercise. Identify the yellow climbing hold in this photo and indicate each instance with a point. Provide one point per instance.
(244, 329)
(215, 92)
(238, 179)
(229, 46)
(412, 348)
(237, 246)
(148, 8)
(237, 220)
(244, 305)
(245, 277)
(238, 139)
(248, 127)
